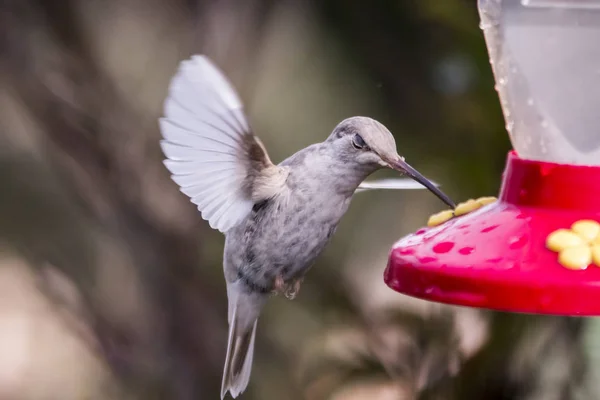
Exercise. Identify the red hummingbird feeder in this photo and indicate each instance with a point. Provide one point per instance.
(537, 248)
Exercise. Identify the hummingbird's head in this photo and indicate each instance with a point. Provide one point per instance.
(367, 142)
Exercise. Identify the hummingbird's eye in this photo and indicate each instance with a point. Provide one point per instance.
(358, 142)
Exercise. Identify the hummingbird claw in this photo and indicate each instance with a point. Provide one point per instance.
(290, 294)
(278, 285)
(293, 289)
(290, 291)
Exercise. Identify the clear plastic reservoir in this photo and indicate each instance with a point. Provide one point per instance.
(545, 55)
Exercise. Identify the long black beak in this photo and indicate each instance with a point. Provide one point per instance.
(402, 166)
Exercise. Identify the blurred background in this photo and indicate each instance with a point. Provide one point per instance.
(111, 284)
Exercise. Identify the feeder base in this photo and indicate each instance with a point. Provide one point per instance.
(496, 257)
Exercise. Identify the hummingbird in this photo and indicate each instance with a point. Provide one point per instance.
(276, 218)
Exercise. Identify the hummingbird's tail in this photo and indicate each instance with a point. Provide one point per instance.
(243, 317)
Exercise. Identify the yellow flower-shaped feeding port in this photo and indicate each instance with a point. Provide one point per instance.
(461, 209)
(577, 247)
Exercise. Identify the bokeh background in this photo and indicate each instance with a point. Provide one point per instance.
(111, 284)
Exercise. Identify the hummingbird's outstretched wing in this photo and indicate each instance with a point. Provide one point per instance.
(211, 151)
(391, 183)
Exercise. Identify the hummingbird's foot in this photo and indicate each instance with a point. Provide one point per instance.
(279, 285)
(293, 289)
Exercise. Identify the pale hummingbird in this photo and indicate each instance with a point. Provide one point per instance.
(276, 218)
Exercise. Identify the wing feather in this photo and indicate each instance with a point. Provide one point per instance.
(221, 88)
(191, 118)
(221, 216)
(190, 180)
(183, 153)
(188, 167)
(186, 137)
(199, 192)
(210, 150)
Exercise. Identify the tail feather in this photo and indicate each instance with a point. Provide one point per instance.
(238, 363)
(243, 318)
